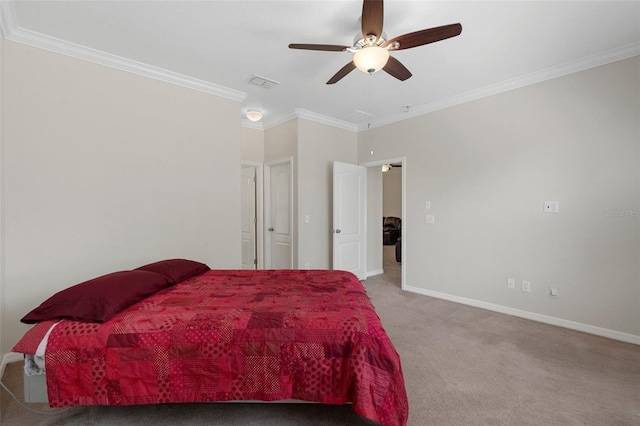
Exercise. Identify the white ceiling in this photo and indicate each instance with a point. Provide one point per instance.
(503, 45)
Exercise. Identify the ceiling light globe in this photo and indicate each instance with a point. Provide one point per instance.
(253, 115)
(371, 59)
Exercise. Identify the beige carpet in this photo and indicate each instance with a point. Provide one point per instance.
(462, 366)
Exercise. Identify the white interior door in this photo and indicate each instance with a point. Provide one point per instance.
(349, 218)
(249, 218)
(279, 222)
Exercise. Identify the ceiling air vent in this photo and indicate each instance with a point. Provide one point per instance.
(263, 82)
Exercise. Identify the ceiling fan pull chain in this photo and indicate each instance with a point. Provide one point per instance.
(370, 99)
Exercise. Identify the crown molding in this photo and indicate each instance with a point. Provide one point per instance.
(311, 116)
(16, 34)
(7, 18)
(323, 119)
(614, 55)
(279, 119)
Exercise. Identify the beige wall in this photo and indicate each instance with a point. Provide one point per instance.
(252, 144)
(374, 220)
(105, 170)
(281, 141)
(100, 170)
(3, 318)
(319, 145)
(392, 192)
(487, 167)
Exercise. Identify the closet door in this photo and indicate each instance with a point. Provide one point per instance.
(279, 216)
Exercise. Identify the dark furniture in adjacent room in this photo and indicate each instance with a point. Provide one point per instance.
(391, 230)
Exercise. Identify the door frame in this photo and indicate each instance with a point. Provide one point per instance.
(403, 241)
(267, 210)
(259, 210)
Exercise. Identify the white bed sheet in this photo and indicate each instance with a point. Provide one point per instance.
(34, 363)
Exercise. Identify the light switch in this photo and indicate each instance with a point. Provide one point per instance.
(306, 218)
(430, 219)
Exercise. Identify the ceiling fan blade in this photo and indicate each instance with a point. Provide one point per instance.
(372, 17)
(343, 72)
(418, 38)
(396, 69)
(324, 47)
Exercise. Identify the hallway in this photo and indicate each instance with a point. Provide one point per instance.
(392, 269)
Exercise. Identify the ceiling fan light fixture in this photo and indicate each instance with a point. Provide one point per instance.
(254, 115)
(371, 59)
(371, 52)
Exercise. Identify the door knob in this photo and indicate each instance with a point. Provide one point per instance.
(270, 229)
(338, 231)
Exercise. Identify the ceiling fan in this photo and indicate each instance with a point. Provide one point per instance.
(371, 52)
(387, 167)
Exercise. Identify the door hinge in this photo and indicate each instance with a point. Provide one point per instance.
(255, 261)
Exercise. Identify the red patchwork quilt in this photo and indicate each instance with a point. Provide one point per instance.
(233, 335)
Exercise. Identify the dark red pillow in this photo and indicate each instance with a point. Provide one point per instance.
(99, 299)
(176, 270)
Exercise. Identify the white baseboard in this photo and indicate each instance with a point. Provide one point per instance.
(598, 331)
(9, 358)
(376, 272)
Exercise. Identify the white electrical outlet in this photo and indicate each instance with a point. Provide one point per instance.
(427, 204)
(526, 286)
(430, 219)
(511, 283)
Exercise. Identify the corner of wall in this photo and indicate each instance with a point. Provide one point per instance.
(2, 274)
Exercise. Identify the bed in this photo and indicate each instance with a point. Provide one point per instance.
(223, 335)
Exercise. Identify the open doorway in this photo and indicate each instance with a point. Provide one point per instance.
(392, 222)
(383, 247)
